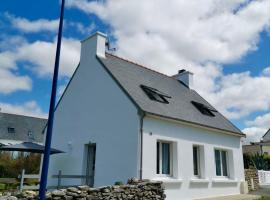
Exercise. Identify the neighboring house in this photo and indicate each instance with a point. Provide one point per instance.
(118, 119)
(19, 128)
(262, 147)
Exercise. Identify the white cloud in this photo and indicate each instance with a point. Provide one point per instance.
(239, 94)
(81, 28)
(11, 82)
(254, 134)
(60, 90)
(29, 108)
(257, 128)
(10, 78)
(266, 71)
(41, 55)
(33, 26)
(262, 121)
(200, 36)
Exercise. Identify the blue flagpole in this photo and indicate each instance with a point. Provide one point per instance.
(46, 158)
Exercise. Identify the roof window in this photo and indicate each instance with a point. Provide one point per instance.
(205, 110)
(155, 94)
(11, 130)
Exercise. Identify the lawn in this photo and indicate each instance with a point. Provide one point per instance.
(263, 198)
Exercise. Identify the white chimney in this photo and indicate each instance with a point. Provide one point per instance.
(94, 45)
(186, 77)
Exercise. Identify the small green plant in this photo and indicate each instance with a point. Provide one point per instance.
(118, 183)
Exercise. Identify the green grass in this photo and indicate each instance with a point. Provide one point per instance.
(2, 186)
(263, 198)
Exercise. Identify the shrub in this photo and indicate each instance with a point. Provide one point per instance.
(11, 168)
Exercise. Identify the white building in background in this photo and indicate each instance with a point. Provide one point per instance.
(118, 119)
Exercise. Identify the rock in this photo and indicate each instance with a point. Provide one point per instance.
(84, 187)
(58, 193)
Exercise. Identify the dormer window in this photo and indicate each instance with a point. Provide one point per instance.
(205, 110)
(11, 130)
(155, 94)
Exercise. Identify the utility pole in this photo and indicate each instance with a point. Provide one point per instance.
(46, 157)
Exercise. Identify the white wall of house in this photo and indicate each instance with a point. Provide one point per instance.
(183, 137)
(94, 109)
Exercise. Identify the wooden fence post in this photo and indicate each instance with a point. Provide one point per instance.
(22, 180)
(59, 179)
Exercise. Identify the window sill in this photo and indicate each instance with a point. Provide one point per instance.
(199, 180)
(224, 180)
(168, 180)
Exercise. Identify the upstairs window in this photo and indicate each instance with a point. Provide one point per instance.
(205, 110)
(11, 130)
(155, 94)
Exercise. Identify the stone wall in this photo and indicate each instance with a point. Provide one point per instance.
(251, 175)
(134, 189)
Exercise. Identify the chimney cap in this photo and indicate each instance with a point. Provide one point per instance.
(95, 34)
(182, 71)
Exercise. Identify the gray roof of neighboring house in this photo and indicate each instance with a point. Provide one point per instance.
(266, 136)
(26, 128)
(130, 76)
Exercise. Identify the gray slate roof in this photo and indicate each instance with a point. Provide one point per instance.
(130, 76)
(22, 125)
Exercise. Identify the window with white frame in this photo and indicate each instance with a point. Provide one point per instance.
(196, 161)
(221, 159)
(164, 158)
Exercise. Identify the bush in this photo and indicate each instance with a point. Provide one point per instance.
(260, 161)
(11, 168)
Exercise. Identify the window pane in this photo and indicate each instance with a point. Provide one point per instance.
(195, 160)
(158, 158)
(218, 162)
(224, 163)
(165, 158)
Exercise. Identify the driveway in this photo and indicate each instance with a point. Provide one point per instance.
(235, 197)
(262, 192)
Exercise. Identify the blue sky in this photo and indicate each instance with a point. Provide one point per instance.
(225, 44)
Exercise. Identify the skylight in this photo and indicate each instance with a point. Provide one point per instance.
(155, 94)
(205, 110)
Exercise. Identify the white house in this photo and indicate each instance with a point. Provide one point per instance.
(118, 119)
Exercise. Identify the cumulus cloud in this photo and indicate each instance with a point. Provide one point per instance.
(257, 128)
(266, 71)
(29, 108)
(262, 121)
(41, 54)
(11, 82)
(200, 36)
(239, 94)
(33, 26)
(254, 134)
(81, 28)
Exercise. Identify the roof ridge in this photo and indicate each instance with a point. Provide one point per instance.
(22, 115)
(139, 65)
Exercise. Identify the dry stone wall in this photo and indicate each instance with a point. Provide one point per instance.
(251, 176)
(134, 189)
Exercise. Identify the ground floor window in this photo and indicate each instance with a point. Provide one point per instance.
(221, 162)
(164, 158)
(196, 161)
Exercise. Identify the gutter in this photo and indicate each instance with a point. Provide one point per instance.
(141, 115)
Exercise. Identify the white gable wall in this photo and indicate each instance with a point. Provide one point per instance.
(183, 137)
(94, 109)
